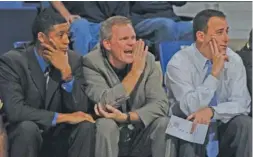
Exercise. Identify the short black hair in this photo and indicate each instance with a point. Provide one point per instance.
(45, 21)
(200, 21)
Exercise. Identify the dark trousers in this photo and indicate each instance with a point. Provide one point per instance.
(235, 140)
(27, 140)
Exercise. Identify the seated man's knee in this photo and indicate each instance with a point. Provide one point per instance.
(243, 123)
(86, 127)
(161, 123)
(166, 24)
(28, 130)
(80, 25)
(107, 127)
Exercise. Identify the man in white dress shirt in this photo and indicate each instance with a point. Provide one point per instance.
(207, 85)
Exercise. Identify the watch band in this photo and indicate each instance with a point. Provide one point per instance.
(128, 120)
(212, 111)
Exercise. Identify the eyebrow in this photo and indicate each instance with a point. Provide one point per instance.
(221, 29)
(126, 37)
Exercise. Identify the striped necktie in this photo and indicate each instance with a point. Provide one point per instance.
(212, 147)
(46, 75)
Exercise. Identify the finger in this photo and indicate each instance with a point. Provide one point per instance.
(211, 47)
(136, 48)
(145, 51)
(144, 54)
(207, 122)
(215, 45)
(194, 125)
(90, 120)
(96, 110)
(190, 117)
(86, 119)
(141, 49)
(48, 47)
(76, 16)
(47, 52)
(48, 57)
(53, 44)
(102, 112)
(112, 109)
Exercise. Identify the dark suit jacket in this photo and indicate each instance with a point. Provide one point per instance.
(22, 88)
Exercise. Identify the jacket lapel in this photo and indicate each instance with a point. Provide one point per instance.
(36, 72)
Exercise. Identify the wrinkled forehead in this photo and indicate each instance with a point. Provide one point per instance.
(217, 23)
(123, 30)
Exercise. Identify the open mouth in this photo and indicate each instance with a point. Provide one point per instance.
(128, 52)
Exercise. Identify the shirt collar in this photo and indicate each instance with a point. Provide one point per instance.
(200, 59)
(42, 63)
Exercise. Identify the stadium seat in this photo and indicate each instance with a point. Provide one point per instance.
(168, 49)
(20, 43)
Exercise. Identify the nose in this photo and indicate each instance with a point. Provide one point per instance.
(225, 37)
(131, 42)
(66, 39)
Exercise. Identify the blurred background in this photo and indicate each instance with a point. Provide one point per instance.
(17, 16)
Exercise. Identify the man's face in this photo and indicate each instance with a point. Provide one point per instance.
(59, 35)
(218, 29)
(121, 44)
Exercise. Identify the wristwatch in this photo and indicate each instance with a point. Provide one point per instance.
(128, 120)
(212, 111)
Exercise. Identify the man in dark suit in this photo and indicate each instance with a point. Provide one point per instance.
(42, 96)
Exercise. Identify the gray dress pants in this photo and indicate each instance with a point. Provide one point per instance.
(151, 140)
(235, 140)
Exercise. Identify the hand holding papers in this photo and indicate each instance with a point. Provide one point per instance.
(181, 128)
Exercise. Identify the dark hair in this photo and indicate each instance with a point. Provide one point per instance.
(45, 21)
(200, 21)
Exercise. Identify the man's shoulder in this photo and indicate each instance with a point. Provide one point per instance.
(14, 57)
(233, 57)
(182, 57)
(94, 58)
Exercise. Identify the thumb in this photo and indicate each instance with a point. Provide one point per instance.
(190, 117)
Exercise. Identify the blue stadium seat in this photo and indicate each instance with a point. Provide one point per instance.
(10, 4)
(168, 49)
(20, 43)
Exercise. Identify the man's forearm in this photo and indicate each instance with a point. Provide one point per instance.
(130, 81)
(59, 6)
(3, 144)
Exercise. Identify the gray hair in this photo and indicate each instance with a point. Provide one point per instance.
(106, 26)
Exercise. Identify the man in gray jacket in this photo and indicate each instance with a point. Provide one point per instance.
(121, 78)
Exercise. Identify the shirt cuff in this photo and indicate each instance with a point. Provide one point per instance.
(68, 86)
(55, 119)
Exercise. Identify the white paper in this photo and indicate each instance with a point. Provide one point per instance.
(181, 128)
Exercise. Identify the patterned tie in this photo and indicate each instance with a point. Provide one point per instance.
(46, 75)
(212, 147)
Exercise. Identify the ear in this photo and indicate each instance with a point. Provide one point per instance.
(107, 45)
(41, 37)
(200, 36)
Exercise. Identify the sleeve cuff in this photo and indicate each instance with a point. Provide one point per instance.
(55, 119)
(116, 96)
(68, 86)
